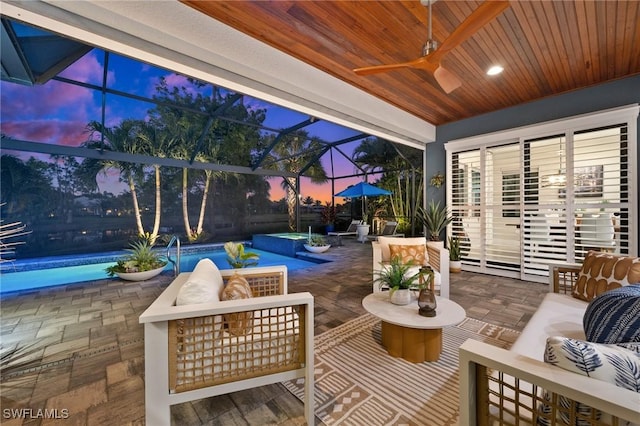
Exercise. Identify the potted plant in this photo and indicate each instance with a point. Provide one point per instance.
(140, 264)
(328, 216)
(396, 277)
(435, 218)
(237, 257)
(363, 228)
(455, 265)
(316, 243)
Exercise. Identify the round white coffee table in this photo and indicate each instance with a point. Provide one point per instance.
(406, 334)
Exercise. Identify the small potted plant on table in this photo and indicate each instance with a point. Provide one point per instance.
(396, 277)
(142, 263)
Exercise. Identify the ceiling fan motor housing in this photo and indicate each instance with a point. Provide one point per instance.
(429, 47)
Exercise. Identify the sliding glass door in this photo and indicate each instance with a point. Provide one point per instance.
(520, 205)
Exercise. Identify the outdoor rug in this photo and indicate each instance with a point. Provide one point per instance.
(358, 383)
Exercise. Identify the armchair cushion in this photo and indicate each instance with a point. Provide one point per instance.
(204, 285)
(602, 271)
(238, 288)
(414, 254)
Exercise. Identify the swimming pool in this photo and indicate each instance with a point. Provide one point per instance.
(26, 277)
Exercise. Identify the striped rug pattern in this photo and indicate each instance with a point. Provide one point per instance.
(358, 383)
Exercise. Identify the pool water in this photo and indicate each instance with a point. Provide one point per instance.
(39, 278)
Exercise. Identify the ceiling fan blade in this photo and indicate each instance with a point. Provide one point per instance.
(447, 80)
(421, 62)
(484, 14)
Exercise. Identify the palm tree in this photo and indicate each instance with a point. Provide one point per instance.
(292, 153)
(401, 170)
(123, 138)
(156, 143)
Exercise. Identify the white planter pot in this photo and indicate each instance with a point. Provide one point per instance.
(362, 231)
(317, 249)
(455, 266)
(436, 244)
(400, 296)
(139, 276)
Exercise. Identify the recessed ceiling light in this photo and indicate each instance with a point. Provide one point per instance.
(495, 70)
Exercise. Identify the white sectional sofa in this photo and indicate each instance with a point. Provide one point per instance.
(199, 345)
(513, 387)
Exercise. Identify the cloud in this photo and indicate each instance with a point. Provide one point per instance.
(88, 70)
(58, 132)
(54, 99)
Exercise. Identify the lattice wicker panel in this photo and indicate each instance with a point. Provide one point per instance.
(267, 284)
(565, 279)
(505, 400)
(203, 352)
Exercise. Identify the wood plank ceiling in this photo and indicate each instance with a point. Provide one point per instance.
(546, 47)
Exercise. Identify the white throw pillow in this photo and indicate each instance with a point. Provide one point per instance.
(616, 364)
(204, 285)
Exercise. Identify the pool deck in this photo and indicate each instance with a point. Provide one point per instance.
(89, 347)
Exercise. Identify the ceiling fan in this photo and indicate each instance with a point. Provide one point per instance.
(432, 54)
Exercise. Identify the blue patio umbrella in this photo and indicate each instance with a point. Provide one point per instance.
(362, 189)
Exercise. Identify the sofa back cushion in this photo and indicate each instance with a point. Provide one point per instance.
(603, 271)
(386, 241)
(614, 316)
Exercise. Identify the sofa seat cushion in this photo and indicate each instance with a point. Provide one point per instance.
(604, 271)
(557, 315)
(614, 316)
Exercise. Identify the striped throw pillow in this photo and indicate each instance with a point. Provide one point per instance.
(614, 316)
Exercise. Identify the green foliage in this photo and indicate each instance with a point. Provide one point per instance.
(316, 240)
(328, 214)
(454, 248)
(141, 258)
(395, 275)
(435, 218)
(237, 257)
(402, 175)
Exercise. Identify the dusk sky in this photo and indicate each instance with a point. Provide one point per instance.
(57, 113)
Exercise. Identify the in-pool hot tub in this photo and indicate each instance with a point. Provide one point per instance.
(287, 243)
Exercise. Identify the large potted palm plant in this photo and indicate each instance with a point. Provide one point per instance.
(435, 219)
